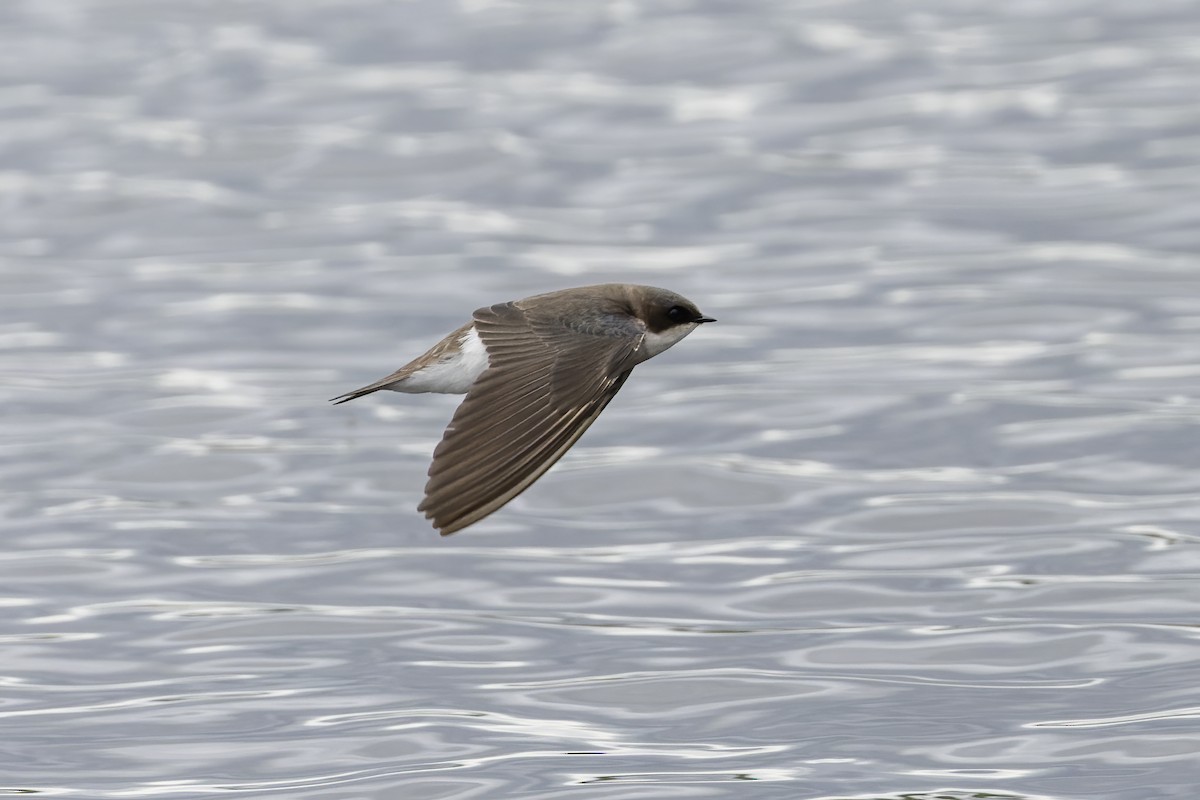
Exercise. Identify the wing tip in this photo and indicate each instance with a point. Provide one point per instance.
(447, 522)
(447, 527)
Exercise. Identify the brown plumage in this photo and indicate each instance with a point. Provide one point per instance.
(537, 372)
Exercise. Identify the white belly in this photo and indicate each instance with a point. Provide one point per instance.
(452, 375)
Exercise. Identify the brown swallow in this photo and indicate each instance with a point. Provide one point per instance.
(537, 372)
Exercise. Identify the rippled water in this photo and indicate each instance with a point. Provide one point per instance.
(918, 519)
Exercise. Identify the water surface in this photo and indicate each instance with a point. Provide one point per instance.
(916, 519)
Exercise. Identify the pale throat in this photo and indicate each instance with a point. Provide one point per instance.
(655, 343)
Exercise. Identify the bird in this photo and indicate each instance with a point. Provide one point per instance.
(536, 373)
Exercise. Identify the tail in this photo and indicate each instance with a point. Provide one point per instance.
(368, 389)
(357, 393)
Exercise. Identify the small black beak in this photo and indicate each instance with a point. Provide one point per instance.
(703, 319)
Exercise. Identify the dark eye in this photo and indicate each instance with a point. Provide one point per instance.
(679, 314)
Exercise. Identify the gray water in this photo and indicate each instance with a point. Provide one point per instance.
(919, 518)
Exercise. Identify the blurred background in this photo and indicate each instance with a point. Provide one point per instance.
(917, 519)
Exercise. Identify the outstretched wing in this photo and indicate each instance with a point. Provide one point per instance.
(531, 404)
